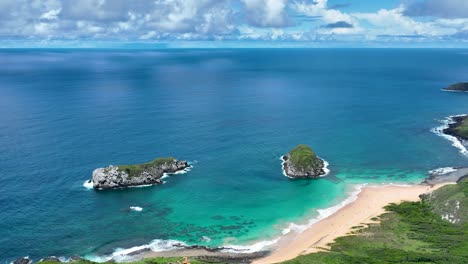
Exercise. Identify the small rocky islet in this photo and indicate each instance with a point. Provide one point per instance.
(121, 176)
(457, 87)
(302, 162)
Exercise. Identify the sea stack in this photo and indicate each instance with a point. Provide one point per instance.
(458, 87)
(149, 173)
(302, 162)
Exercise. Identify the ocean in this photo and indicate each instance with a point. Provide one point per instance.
(232, 113)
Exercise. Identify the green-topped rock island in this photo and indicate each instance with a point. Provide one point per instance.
(458, 87)
(302, 162)
(121, 176)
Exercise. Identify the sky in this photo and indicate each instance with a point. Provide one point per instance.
(233, 23)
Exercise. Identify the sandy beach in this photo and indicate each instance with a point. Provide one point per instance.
(369, 204)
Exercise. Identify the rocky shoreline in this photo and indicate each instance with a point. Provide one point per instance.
(202, 253)
(456, 122)
(122, 176)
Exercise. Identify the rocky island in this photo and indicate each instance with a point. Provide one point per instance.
(121, 176)
(458, 127)
(302, 162)
(458, 87)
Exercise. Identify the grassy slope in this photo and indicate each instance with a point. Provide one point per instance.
(302, 157)
(136, 169)
(410, 232)
(462, 129)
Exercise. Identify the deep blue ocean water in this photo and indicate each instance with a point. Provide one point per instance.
(233, 113)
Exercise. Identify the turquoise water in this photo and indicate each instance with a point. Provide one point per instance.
(233, 113)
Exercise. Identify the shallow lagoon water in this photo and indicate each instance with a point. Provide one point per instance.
(368, 112)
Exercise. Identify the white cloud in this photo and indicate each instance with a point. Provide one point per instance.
(267, 13)
(327, 16)
(51, 14)
(272, 20)
(393, 22)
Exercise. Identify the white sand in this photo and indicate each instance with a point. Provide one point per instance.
(369, 204)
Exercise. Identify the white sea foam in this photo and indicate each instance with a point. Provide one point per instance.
(324, 213)
(88, 184)
(136, 208)
(454, 91)
(128, 254)
(256, 247)
(442, 171)
(455, 141)
(167, 175)
(325, 168)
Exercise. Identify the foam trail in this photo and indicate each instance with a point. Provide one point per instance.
(455, 141)
(88, 184)
(259, 246)
(136, 208)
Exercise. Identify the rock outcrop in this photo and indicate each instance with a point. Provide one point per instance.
(458, 127)
(458, 87)
(121, 176)
(24, 260)
(302, 162)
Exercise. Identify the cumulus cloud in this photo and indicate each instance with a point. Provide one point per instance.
(267, 13)
(394, 22)
(269, 20)
(437, 8)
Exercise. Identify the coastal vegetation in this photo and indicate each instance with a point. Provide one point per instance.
(303, 157)
(458, 87)
(410, 232)
(134, 170)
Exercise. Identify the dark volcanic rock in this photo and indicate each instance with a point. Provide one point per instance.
(458, 87)
(25, 260)
(134, 175)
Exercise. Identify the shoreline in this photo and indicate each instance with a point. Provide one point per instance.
(456, 141)
(364, 203)
(370, 203)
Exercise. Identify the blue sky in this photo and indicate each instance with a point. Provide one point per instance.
(236, 23)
